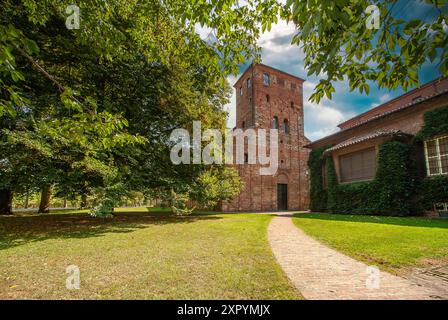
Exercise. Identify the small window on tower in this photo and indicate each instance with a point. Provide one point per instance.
(249, 82)
(275, 123)
(243, 124)
(266, 79)
(267, 98)
(241, 91)
(286, 126)
(292, 104)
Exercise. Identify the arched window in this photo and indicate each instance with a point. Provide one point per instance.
(286, 126)
(275, 123)
(292, 104)
(267, 98)
(244, 125)
(266, 79)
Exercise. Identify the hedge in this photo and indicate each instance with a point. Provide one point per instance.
(318, 196)
(434, 190)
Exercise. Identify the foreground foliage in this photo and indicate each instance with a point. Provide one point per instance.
(88, 111)
(338, 44)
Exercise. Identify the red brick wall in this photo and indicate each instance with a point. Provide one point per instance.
(425, 90)
(285, 102)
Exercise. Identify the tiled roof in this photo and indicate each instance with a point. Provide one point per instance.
(426, 90)
(404, 106)
(384, 114)
(366, 137)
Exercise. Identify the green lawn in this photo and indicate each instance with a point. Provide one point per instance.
(141, 255)
(392, 243)
(18, 212)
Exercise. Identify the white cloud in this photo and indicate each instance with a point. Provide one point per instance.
(281, 29)
(384, 98)
(231, 106)
(277, 51)
(322, 120)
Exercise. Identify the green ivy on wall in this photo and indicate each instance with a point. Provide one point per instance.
(318, 195)
(436, 123)
(390, 193)
(433, 189)
(395, 182)
(396, 189)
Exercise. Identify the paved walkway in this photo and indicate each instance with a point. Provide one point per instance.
(319, 272)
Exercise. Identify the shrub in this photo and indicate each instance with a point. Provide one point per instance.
(434, 190)
(318, 195)
(353, 198)
(394, 181)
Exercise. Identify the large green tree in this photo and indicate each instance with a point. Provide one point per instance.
(90, 109)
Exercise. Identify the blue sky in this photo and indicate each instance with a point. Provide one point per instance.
(322, 119)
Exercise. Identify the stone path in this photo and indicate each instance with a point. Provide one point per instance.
(319, 272)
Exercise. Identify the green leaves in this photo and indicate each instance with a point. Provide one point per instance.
(103, 99)
(337, 44)
(214, 185)
(437, 3)
(31, 46)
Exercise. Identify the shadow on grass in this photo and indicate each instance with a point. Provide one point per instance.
(399, 221)
(19, 230)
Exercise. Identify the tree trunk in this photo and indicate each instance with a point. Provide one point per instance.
(27, 197)
(44, 206)
(65, 203)
(5, 202)
(84, 201)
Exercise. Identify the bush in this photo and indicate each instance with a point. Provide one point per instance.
(434, 190)
(318, 196)
(353, 198)
(394, 181)
(179, 202)
(107, 199)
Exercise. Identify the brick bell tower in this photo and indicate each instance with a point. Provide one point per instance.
(269, 98)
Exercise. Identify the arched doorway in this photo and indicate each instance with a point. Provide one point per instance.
(282, 196)
(282, 192)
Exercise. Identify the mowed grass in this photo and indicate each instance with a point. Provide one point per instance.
(391, 243)
(140, 255)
